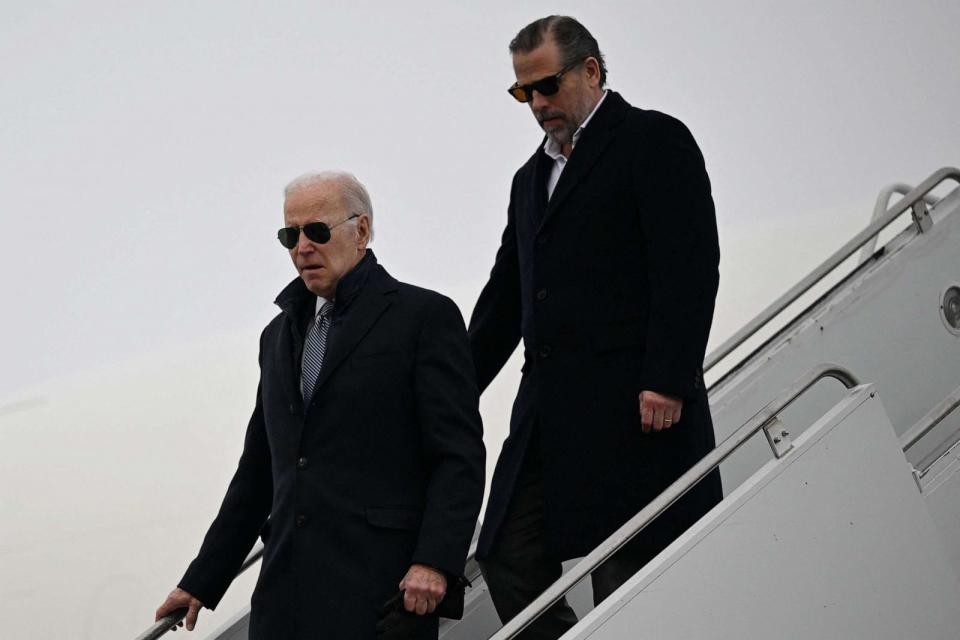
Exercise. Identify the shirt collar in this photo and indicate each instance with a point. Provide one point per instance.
(320, 302)
(554, 150)
(350, 284)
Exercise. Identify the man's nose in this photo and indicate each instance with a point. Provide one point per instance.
(304, 244)
(538, 101)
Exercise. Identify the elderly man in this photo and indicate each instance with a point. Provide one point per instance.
(607, 270)
(364, 449)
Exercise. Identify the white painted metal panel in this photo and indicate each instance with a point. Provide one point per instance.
(884, 325)
(941, 488)
(832, 541)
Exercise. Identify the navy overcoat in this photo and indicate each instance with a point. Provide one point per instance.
(611, 286)
(382, 469)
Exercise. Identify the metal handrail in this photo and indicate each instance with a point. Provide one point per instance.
(880, 208)
(915, 198)
(933, 417)
(165, 623)
(471, 568)
(674, 492)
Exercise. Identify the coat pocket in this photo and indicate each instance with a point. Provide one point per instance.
(363, 358)
(394, 517)
(616, 337)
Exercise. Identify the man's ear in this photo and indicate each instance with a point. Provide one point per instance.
(363, 231)
(593, 70)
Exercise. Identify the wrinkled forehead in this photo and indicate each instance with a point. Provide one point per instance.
(319, 202)
(541, 62)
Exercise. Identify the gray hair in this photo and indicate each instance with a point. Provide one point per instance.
(355, 197)
(572, 38)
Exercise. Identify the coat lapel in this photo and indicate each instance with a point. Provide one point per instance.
(286, 352)
(594, 139)
(541, 172)
(350, 328)
(288, 362)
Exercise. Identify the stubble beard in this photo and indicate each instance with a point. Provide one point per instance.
(563, 135)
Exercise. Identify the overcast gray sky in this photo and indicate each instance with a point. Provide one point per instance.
(145, 146)
(143, 152)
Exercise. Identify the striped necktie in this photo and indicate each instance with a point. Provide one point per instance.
(313, 350)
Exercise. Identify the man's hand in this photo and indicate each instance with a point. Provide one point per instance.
(178, 599)
(424, 588)
(658, 411)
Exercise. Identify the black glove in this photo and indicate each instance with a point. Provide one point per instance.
(396, 623)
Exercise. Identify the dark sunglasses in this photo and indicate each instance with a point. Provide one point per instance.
(317, 232)
(544, 86)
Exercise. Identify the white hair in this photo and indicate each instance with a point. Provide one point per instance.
(354, 194)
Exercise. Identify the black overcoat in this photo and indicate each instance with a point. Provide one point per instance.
(611, 286)
(384, 468)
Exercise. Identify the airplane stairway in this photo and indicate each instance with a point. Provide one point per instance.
(832, 540)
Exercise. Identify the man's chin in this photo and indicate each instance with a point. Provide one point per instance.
(315, 285)
(559, 138)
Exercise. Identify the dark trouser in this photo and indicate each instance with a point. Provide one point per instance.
(519, 567)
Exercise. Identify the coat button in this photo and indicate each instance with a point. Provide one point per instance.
(542, 240)
(301, 520)
(293, 409)
(542, 294)
(302, 463)
(544, 351)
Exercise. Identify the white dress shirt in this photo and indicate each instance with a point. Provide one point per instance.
(320, 302)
